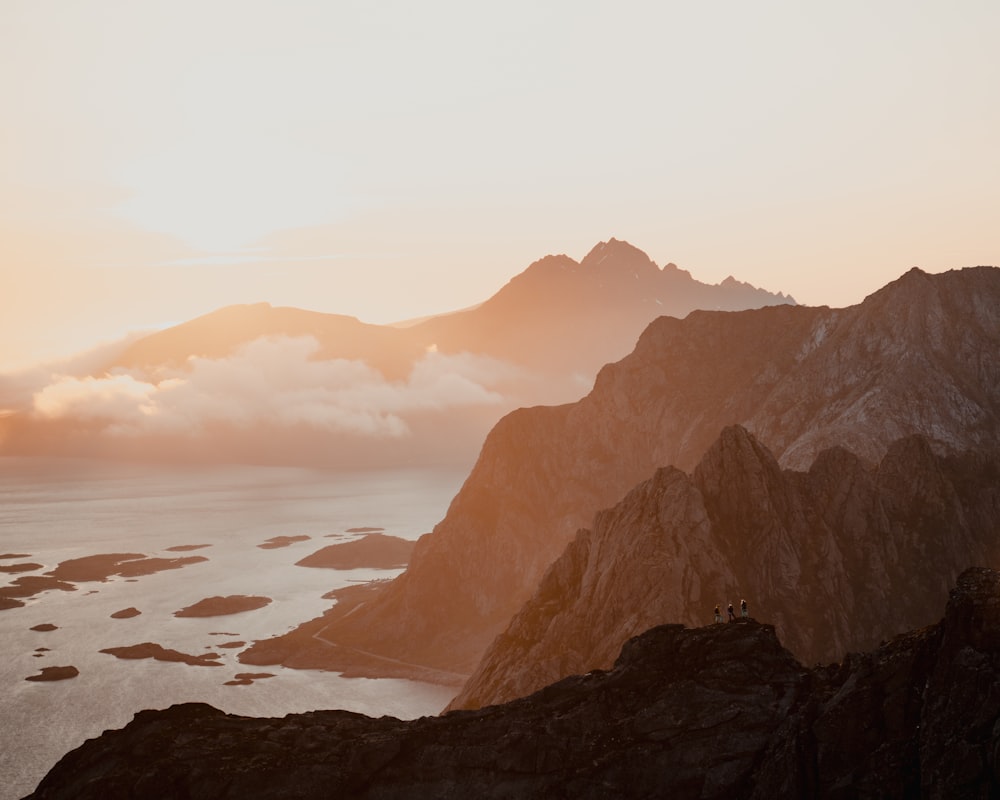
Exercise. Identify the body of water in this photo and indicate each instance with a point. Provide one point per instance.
(55, 510)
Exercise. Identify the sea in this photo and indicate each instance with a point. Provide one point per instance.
(53, 510)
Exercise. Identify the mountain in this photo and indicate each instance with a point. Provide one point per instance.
(721, 711)
(263, 384)
(558, 315)
(567, 317)
(921, 356)
(221, 333)
(838, 558)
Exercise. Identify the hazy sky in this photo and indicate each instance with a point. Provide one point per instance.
(392, 159)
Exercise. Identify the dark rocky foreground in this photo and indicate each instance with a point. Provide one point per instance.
(717, 712)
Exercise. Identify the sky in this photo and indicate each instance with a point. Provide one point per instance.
(389, 160)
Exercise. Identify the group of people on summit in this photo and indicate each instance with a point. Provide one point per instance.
(732, 614)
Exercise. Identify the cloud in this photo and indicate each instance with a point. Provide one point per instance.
(89, 398)
(18, 387)
(276, 381)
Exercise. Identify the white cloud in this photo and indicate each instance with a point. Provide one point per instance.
(276, 381)
(89, 398)
(18, 387)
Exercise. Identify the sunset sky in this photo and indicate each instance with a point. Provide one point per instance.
(389, 160)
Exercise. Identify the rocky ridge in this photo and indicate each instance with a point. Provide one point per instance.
(921, 356)
(838, 558)
(722, 711)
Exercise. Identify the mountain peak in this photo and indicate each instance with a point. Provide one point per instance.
(618, 255)
(915, 306)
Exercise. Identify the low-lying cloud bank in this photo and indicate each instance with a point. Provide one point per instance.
(18, 387)
(277, 381)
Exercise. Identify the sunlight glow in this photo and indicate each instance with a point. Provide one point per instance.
(819, 151)
(223, 191)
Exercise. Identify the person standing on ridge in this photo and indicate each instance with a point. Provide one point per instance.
(718, 614)
(743, 609)
(732, 616)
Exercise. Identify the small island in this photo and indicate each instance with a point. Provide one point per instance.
(222, 606)
(160, 653)
(247, 678)
(29, 586)
(54, 674)
(103, 566)
(374, 551)
(24, 566)
(282, 541)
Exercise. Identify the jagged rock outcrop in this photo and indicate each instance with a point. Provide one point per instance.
(838, 558)
(722, 711)
(921, 356)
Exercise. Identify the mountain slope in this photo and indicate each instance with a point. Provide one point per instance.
(839, 558)
(921, 356)
(721, 711)
(221, 333)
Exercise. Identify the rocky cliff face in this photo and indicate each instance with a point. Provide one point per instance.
(838, 558)
(921, 356)
(721, 711)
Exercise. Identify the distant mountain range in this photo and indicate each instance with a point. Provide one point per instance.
(258, 383)
(557, 315)
(921, 357)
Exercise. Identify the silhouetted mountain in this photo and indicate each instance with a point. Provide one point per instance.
(234, 384)
(921, 356)
(221, 333)
(571, 318)
(557, 315)
(722, 711)
(838, 558)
